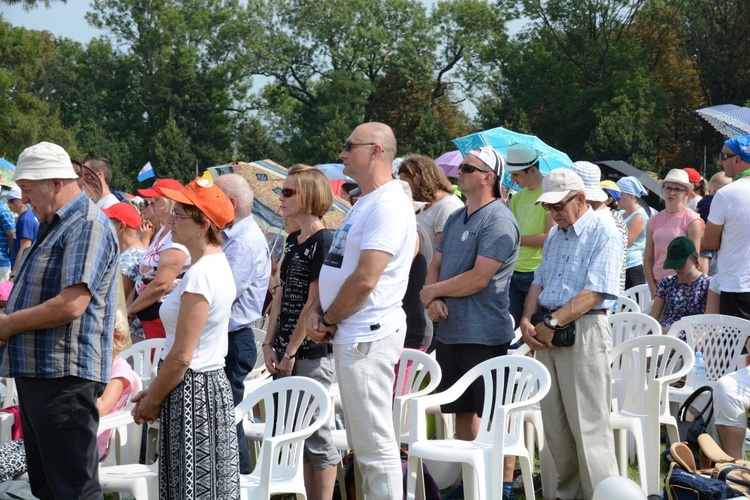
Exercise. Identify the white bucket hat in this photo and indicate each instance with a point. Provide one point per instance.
(44, 161)
(678, 176)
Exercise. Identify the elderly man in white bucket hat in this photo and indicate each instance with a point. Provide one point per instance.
(57, 334)
(565, 322)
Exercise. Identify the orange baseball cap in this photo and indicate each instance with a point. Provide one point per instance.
(207, 197)
(155, 191)
(125, 213)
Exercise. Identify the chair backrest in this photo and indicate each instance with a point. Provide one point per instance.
(512, 384)
(145, 357)
(641, 294)
(647, 365)
(625, 304)
(8, 396)
(295, 407)
(418, 374)
(719, 337)
(260, 363)
(628, 325)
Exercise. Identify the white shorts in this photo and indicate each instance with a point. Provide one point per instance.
(732, 398)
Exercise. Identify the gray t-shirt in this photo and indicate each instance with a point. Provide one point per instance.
(480, 318)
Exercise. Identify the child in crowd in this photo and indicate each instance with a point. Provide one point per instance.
(718, 181)
(684, 293)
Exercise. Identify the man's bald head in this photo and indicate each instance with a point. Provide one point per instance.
(239, 192)
(381, 134)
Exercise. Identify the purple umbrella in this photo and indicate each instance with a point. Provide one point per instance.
(449, 162)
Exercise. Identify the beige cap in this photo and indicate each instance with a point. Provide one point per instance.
(44, 161)
(558, 184)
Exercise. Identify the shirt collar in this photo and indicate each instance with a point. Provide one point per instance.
(581, 224)
(238, 227)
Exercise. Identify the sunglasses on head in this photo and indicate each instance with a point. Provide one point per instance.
(470, 169)
(288, 192)
(348, 145)
(557, 207)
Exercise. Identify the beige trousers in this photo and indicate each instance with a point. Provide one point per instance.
(576, 410)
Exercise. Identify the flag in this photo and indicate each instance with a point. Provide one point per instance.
(146, 172)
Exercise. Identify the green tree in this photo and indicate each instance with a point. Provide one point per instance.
(25, 117)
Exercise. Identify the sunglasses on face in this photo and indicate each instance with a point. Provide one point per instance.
(348, 145)
(288, 192)
(673, 189)
(726, 156)
(557, 207)
(470, 169)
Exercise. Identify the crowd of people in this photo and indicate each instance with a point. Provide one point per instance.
(426, 270)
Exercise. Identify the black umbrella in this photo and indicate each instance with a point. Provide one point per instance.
(616, 169)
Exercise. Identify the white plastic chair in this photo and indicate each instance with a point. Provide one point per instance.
(259, 370)
(514, 384)
(641, 294)
(8, 397)
(138, 480)
(295, 407)
(145, 357)
(628, 325)
(652, 362)
(625, 304)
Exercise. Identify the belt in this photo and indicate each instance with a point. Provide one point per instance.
(546, 310)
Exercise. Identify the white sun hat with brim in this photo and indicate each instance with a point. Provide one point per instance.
(44, 161)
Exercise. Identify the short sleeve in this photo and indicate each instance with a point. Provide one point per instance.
(386, 227)
(500, 239)
(718, 213)
(663, 288)
(324, 239)
(90, 255)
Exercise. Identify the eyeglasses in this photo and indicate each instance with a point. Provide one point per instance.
(557, 207)
(673, 189)
(348, 145)
(470, 169)
(288, 192)
(175, 215)
(726, 156)
(147, 203)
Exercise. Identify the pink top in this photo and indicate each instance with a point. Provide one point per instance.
(120, 369)
(665, 228)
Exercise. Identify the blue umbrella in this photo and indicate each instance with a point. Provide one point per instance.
(334, 171)
(728, 119)
(501, 138)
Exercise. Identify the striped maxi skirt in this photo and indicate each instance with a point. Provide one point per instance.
(198, 457)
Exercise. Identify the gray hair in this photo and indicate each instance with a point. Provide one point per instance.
(235, 186)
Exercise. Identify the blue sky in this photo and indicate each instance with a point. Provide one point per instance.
(62, 19)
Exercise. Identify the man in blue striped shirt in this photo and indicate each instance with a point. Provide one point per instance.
(577, 282)
(56, 339)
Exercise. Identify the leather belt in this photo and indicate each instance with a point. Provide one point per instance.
(546, 310)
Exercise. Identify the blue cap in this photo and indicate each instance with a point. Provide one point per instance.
(740, 146)
(632, 186)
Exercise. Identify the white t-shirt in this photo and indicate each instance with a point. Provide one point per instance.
(211, 277)
(382, 220)
(731, 208)
(433, 218)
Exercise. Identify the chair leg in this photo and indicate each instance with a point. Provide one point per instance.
(621, 451)
(342, 481)
(526, 474)
(415, 478)
(640, 450)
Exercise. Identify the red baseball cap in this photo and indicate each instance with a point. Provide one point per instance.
(155, 191)
(208, 198)
(693, 175)
(125, 213)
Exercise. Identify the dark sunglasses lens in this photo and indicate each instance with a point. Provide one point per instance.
(286, 192)
(347, 146)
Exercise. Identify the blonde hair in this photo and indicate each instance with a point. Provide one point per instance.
(122, 333)
(719, 180)
(314, 190)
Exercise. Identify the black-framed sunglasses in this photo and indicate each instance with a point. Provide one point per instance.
(348, 145)
(470, 169)
(288, 192)
(726, 156)
(557, 207)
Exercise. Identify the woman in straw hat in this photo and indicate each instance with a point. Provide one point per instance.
(198, 455)
(675, 220)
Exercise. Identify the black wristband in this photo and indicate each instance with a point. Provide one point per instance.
(325, 323)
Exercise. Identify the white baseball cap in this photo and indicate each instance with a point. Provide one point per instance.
(558, 184)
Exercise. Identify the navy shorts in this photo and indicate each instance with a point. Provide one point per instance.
(457, 359)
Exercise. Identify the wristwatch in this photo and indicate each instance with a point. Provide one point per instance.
(551, 321)
(289, 356)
